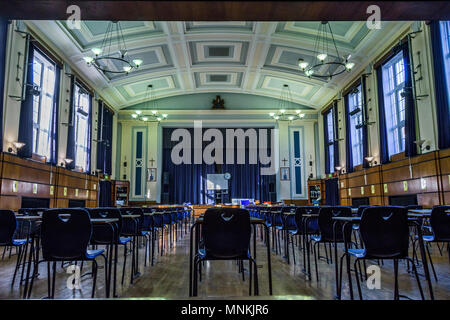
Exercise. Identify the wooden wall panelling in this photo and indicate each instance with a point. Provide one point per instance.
(76, 186)
(418, 175)
(444, 175)
(25, 178)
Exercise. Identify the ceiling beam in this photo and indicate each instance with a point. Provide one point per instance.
(225, 10)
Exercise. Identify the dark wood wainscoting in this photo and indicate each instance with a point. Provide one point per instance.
(34, 179)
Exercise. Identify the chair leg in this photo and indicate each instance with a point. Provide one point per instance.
(124, 262)
(431, 263)
(357, 278)
(396, 295)
(53, 280)
(250, 278)
(417, 277)
(293, 251)
(315, 260)
(94, 271)
(19, 260)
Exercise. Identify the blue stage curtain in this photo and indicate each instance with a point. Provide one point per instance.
(331, 192)
(348, 137)
(384, 151)
(70, 151)
(410, 113)
(104, 147)
(187, 183)
(365, 139)
(3, 39)
(26, 111)
(440, 86)
(325, 139)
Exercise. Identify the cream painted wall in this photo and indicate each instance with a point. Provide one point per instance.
(13, 87)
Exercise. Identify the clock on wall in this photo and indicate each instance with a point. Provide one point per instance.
(227, 175)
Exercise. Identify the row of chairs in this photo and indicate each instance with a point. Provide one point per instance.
(68, 239)
(383, 233)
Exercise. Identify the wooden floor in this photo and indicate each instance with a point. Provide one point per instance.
(169, 279)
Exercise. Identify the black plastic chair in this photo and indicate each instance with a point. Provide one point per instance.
(67, 239)
(385, 234)
(107, 235)
(8, 226)
(326, 231)
(226, 236)
(134, 228)
(440, 231)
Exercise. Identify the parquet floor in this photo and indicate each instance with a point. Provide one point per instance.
(169, 279)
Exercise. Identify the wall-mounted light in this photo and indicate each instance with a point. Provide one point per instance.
(338, 169)
(369, 159)
(17, 146)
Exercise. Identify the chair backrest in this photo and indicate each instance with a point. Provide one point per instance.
(8, 225)
(129, 225)
(148, 220)
(385, 232)
(361, 209)
(326, 222)
(103, 232)
(226, 232)
(312, 223)
(440, 223)
(65, 238)
(32, 211)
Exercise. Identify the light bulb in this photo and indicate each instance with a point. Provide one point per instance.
(309, 72)
(164, 115)
(159, 119)
(137, 62)
(302, 115)
(88, 59)
(97, 51)
(277, 117)
(302, 64)
(271, 114)
(349, 65)
(282, 110)
(154, 111)
(134, 115)
(138, 111)
(298, 111)
(127, 68)
(144, 118)
(322, 56)
(291, 118)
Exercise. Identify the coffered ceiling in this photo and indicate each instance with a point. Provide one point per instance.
(185, 58)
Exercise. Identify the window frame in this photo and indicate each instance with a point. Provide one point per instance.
(394, 111)
(331, 139)
(85, 116)
(355, 116)
(45, 64)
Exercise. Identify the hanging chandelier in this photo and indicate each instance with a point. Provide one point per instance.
(150, 112)
(285, 111)
(112, 56)
(327, 61)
